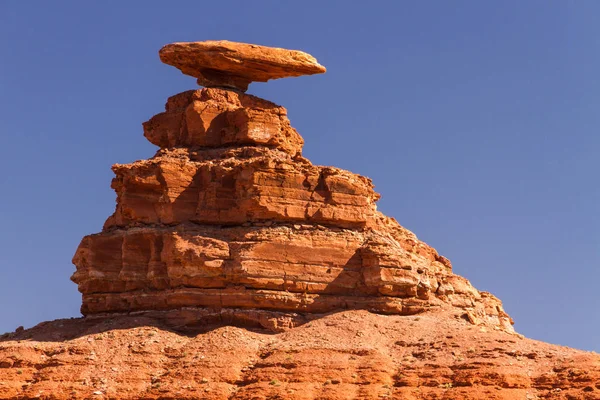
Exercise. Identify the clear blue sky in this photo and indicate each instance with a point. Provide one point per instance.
(477, 121)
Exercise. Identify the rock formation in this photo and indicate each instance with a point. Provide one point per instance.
(228, 224)
(229, 215)
(347, 355)
(235, 65)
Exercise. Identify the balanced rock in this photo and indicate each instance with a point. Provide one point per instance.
(227, 228)
(235, 65)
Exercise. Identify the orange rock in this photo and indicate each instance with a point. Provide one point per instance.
(235, 65)
(346, 355)
(228, 225)
(239, 186)
(278, 267)
(210, 118)
(228, 215)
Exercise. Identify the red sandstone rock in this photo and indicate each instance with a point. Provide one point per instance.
(346, 355)
(279, 267)
(224, 218)
(235, 65)
(241, 185)
(229, 225)
(212, 118)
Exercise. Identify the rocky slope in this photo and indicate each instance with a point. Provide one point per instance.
(234, 268)
(345, 355)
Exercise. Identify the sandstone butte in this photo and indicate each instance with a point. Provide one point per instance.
(233, 268)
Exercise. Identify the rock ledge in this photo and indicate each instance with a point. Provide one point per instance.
(235, 65)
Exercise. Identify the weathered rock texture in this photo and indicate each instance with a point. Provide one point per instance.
(346, 355)
(235, 65)
(228, 214)
(233, 268)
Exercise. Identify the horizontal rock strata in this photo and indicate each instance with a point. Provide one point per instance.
(233, 268)
(277, 267)
(229, 215)
(235, 65)
(241, 185)
(213, 118)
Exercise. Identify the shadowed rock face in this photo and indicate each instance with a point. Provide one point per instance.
(229, 215)
(235, 65)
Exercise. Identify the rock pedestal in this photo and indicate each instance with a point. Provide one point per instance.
(229, 227)
(228, 215)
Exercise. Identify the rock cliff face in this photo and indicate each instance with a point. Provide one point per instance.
(228, 214)
(233, 268)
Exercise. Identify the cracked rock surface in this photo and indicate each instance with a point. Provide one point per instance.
(221, 63)
(346, 355)
(234, 268)
(229, 215)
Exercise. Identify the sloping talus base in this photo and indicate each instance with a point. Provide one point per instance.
(353, 354)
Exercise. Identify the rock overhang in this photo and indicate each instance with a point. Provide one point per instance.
(234, 65)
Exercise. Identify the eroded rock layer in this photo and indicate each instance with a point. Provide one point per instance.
(233, 268)
(348, 355)
(221, 63)
(229, 215)
(213, 118)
